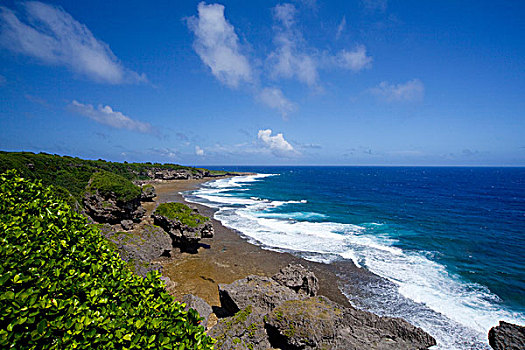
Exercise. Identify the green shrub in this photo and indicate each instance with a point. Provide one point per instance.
(63, 287)
(181, 212)
(74, 173)
(106, 182)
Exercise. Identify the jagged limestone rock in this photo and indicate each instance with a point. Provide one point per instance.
(318, 323)
(243, 331)
(187, 230)
(148, 193)
(258, 292)
(138, 248)
(199, 305)
(507, 336)
(298, 278)
(282, 312)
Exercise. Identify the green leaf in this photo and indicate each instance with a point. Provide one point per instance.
(41, 327)
(52, 294)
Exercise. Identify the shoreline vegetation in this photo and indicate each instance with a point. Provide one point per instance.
(138, 212)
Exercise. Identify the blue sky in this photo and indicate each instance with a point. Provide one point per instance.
(364, 82)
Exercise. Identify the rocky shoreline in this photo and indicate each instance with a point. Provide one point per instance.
(253, 298)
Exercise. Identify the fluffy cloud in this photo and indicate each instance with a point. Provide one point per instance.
(53, 36)
(274, 98)
(290, 59)
(107, 116)
(276, 144)
(293, 58)
(412, 90)
(218, 46)
(199, 151)
(354, 60)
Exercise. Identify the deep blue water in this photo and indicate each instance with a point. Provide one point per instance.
(449, 240)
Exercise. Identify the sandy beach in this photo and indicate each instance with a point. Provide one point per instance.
(227, 257)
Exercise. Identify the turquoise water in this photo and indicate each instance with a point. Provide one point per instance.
(448, 242)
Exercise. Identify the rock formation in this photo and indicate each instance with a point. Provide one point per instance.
(185, 237)
(284, 312)
(148, 193)
(199, 305)
(245, 330)
(106, 208)
(298, 278)
(139, 248)
(172, 174)
(507, 336)
(261, 293)
(318, 323)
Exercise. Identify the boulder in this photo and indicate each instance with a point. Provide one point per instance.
(507, 336)
(199, 305)
(298, 278)
(106, 208)
(148, 193)
(260, 293)
(185, 237)
(245, 330)
(126, 225)
(169, 285)
(140, 247)
(318, 323)
(282, 309)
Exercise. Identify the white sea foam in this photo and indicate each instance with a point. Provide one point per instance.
(469, 310)
(237, 181)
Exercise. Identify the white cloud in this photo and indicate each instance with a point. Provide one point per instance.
(199, 151)
(290, 59)
(354, 60)
(107, 116)
(274, 98)
(412, 90)
(53, 36)
(164, 152)
(293, 58)
(375, 5)
(276, 144)
(285, 13)
(340, 28)
(218, 46)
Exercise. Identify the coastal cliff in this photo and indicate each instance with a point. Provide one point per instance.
(283, 310)
(258, 312)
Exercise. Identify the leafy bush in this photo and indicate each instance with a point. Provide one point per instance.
(106, 182)
(63, 287)
(181, 212)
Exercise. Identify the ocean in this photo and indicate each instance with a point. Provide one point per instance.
(448, 242)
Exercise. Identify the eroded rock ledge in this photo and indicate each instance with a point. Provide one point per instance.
(507, 336)
(185, 225)
(285, 312)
